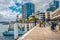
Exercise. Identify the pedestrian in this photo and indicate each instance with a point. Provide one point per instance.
(40, 23)
(52, 26)
(44, 24)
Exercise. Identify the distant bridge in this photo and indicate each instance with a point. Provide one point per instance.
(6, 23)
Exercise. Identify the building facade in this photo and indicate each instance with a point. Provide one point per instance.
(28, 9)
(56, 14)
(40, 16)
(47, 16)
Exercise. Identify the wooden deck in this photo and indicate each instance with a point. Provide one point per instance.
(43, 34)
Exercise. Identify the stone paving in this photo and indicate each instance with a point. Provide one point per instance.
(43, 34)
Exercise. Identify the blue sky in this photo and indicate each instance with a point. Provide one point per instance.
(7, 15)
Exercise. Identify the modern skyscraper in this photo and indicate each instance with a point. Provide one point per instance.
(28, 9)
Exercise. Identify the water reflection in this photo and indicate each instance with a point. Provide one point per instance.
(4, 28)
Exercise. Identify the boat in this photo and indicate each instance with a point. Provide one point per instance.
(11, 33)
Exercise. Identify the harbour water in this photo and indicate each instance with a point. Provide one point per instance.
(4, 28)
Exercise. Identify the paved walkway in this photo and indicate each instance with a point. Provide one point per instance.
(43, 34)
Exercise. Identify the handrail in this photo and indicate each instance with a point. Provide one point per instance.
(21, 38)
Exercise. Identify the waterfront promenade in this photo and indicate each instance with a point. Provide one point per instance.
(44, 33)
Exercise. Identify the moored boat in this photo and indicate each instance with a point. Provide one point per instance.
(11, 33)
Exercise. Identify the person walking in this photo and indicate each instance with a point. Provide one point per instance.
(40, 23)
(52, 26)
(59, 25)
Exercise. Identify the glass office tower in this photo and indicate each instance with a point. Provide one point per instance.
(28, 9)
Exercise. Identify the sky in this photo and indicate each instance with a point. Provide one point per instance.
(7, 15)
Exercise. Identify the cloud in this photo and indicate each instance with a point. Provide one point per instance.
(8, 15)
(41, 5)
(5, 13)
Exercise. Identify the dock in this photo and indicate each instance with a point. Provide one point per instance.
(42, 33)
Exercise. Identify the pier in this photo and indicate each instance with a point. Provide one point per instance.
(39, 33)
(45, 33)
(26, 26)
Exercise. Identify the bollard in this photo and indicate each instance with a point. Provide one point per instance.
(15, 31)
(32, 24)
(29, 26)
(20, 24)
(25, 27)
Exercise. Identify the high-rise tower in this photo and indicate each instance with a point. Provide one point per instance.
(28, 9)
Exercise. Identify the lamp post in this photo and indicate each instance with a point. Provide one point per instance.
(16, 27)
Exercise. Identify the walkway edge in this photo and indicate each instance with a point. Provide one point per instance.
(21, 38)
